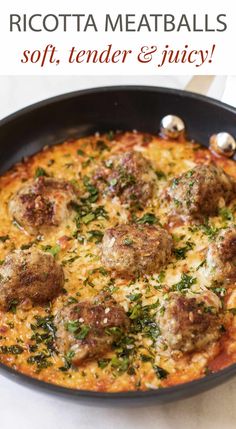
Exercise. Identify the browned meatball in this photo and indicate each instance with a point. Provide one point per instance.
(221, 256)
(136, 249)
(29, 275)
(199, 192)
(189, 324)
(87, 330)
(41, 203)
(130, 177)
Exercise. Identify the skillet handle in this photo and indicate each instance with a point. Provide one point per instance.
(213, 86)
(200, 84)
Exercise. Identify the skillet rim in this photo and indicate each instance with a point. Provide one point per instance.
(149, 88)
(165, 394)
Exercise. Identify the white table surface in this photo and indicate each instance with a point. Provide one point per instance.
(24, 408)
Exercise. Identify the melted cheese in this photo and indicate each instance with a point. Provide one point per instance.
(72, 161)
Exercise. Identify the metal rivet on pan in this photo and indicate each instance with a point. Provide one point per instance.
(172, 126)
(223, 144)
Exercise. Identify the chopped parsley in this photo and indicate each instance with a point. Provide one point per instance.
(108, 163)
(88, 218)
(73, 325)
(148, 218)
(13, 305)
(54, 250)
(177, 203)
(95, 235)
(4, 238)
(185, 283)
(127, 241)
(80, 152)
(180, 252)
(160, 175)
(67, 360)
(161, 277)
(101, 145)
(160, 372)
(82, 334)
(134, 296)
(219, 290)
(210, 230)
(27, 245)
(40, 172)
(72, 300)
(80, 238)
(15, 349)
(44, 333)
(175, 182)
(102, 363)
(110, 135)
(70, 260)
(40, 360)
(146, 358)
(91, 189)
(202, 264)
(85, 214)
(113, 182)
(143, 320)
(79, 331)
(226, 214)
(120, 364)
(100, 270)
(126, 180)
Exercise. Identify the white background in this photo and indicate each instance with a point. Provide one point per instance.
(13, 44)
(21, 408)
(24, 408)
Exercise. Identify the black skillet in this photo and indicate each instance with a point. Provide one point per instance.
(102, 109)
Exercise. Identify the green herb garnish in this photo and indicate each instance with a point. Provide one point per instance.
(91, 189)
(160, 175)
(180, 252)
(72, 326)
(102, 363)
(226, 214)
(4, 238)
(120, 364)
(160, 372)
(82, 334)
(210, 230)
(148, 218)
(185, 283)
(127, 241)
(134, 296)
(80, 152)
(101, 145)
(39, 172)
(15, 349)
(110, 135)
(54, 250)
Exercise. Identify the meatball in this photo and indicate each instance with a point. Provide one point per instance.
(131, 250)
(29, 275)
(130, 177)
(41, 203)
(221, 256)
(200, 191)
(87, 330)
(189, 324)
